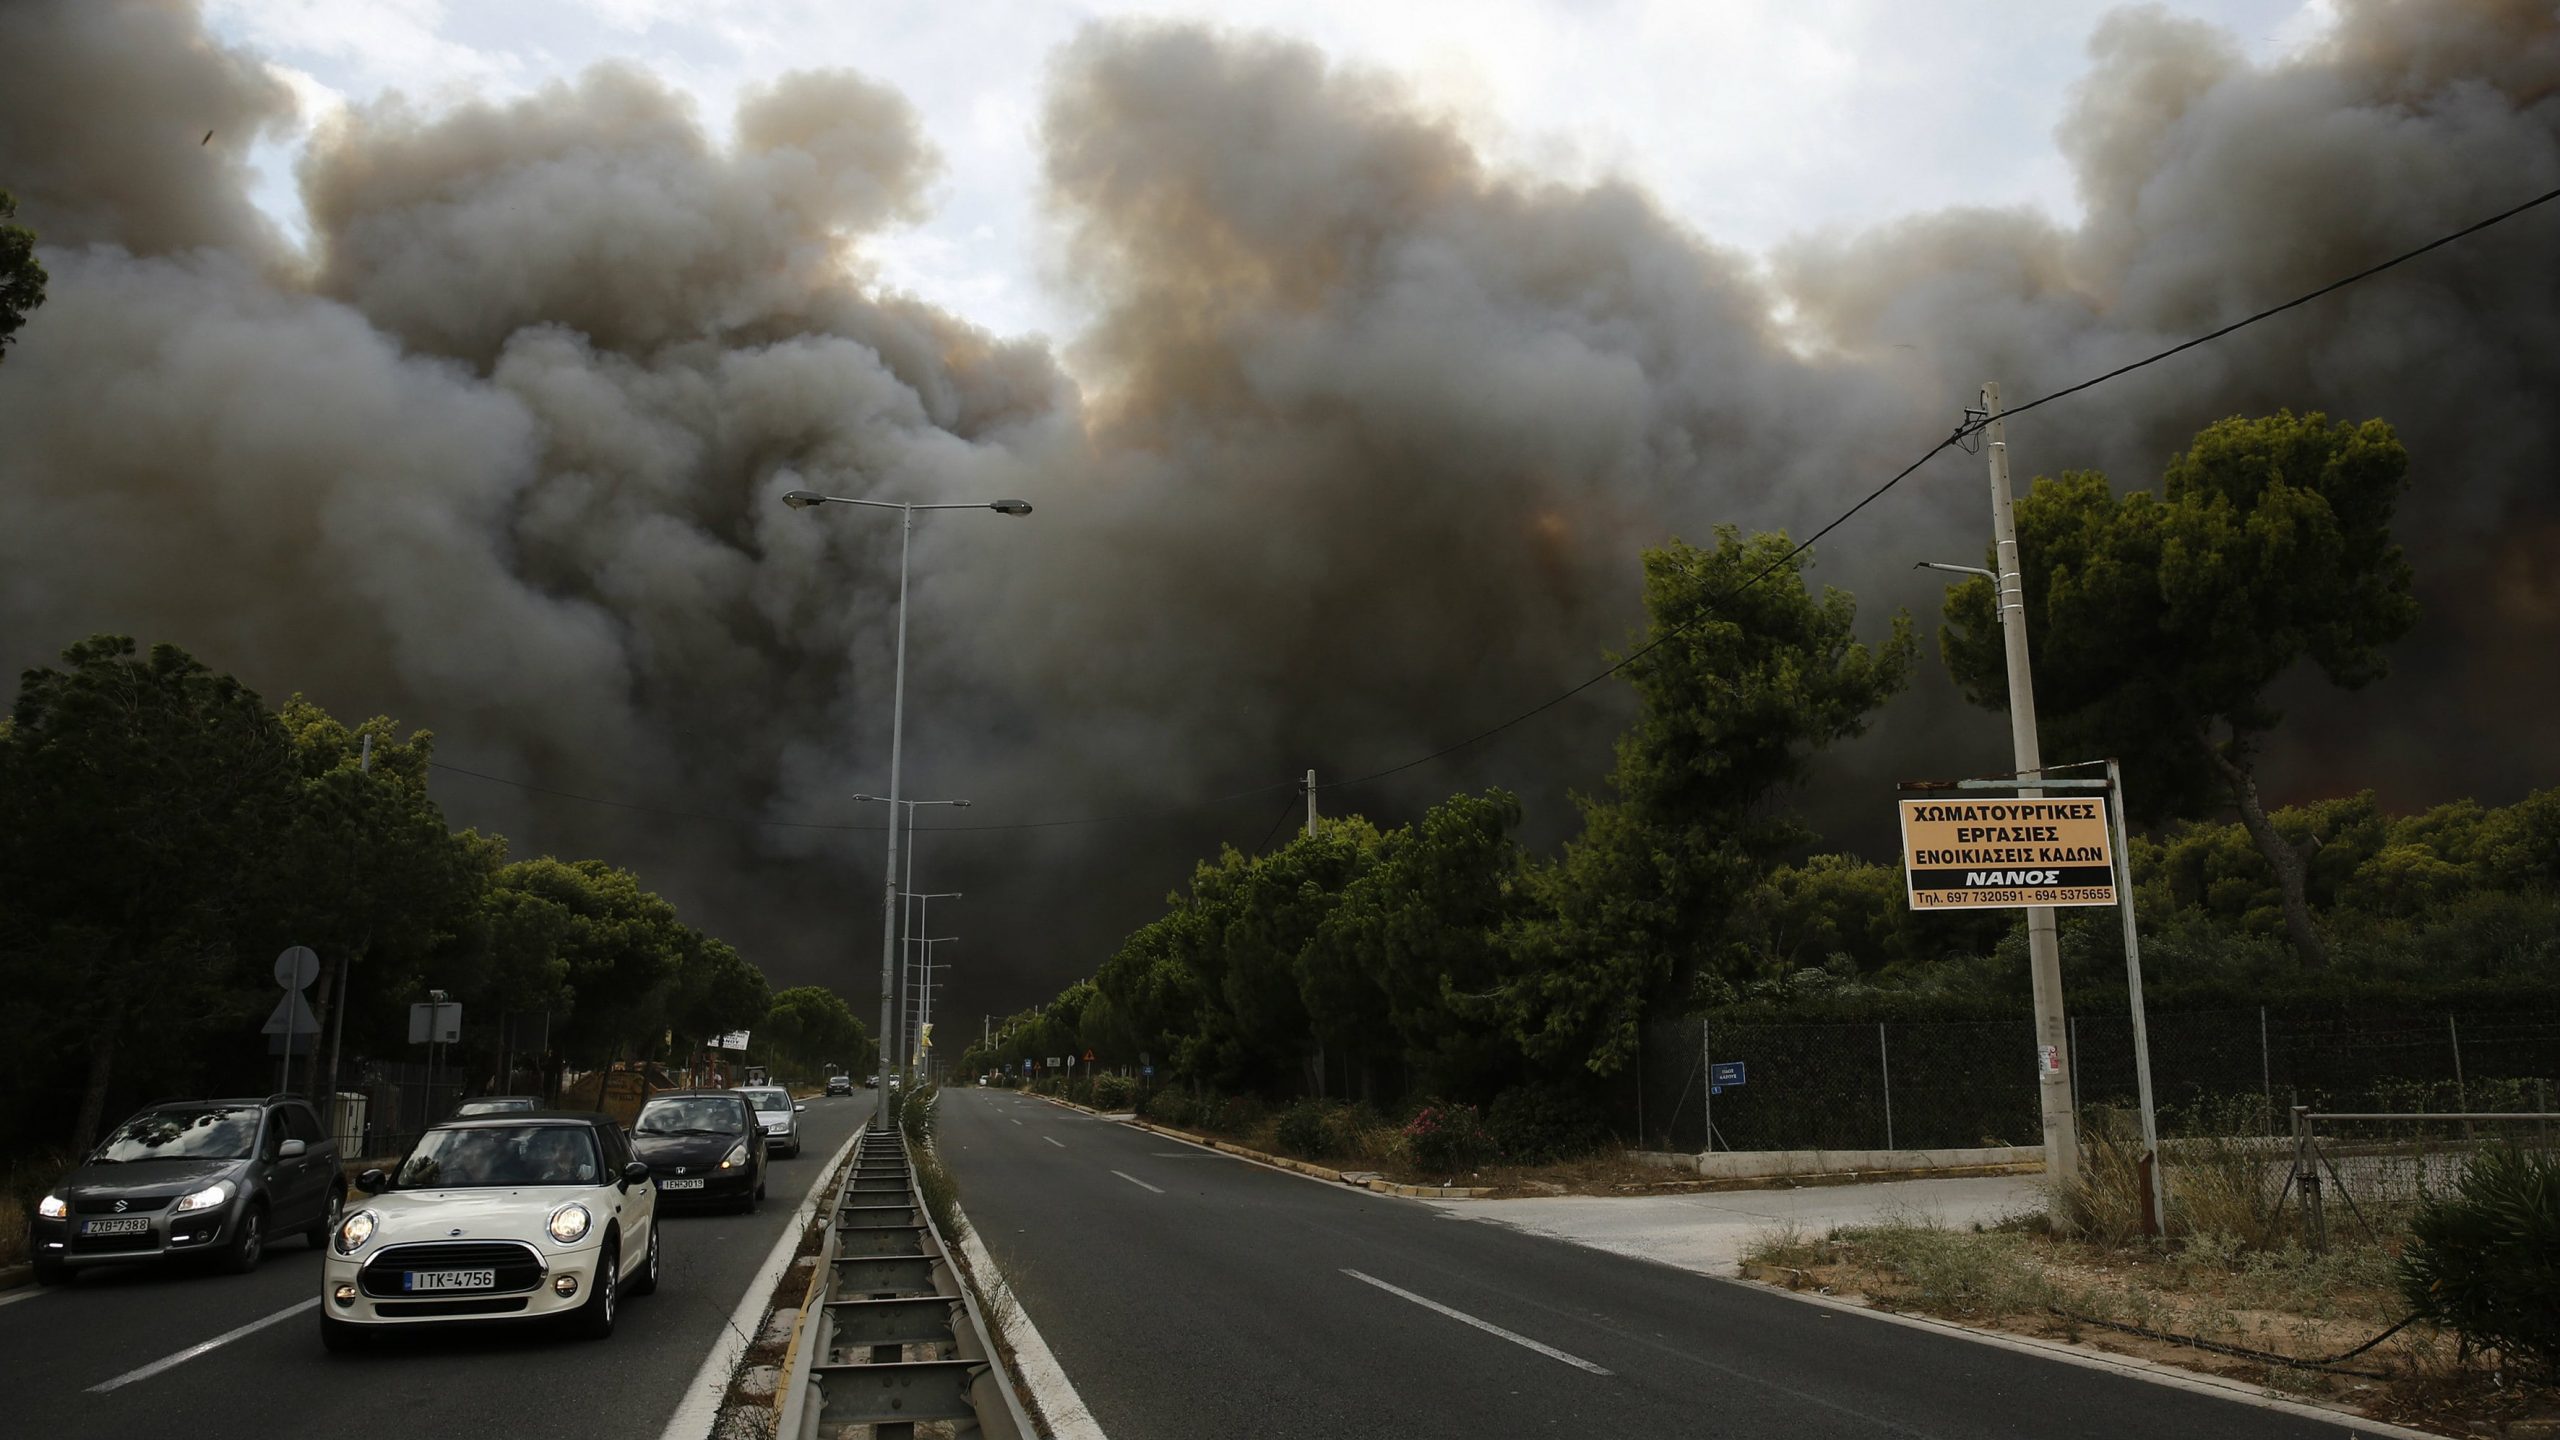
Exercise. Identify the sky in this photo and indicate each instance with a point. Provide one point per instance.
(1351, 354)
(1752, 121)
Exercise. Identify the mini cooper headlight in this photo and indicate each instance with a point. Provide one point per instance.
(736, 1157)
(356, 1231)
(569, 1224)
(52, 1208)
(206, 1198)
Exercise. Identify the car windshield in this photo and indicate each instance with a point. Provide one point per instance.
(475, 1156)
(691, 1115)
(768, 1101)
(492, 1107)
(194, 1132)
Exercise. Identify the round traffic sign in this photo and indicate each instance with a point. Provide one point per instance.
(297, 968)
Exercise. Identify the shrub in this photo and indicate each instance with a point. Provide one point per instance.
(1535, 1125)
(1306, 1128)
(1448, 1138)
(2484, 1262)
(1172, 1107)
(1234, 1115)
(1113, 1092)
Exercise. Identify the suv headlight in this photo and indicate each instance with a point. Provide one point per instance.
(736, 1157)
(205, 1199)
(52, 1208)
(569, 1224)
(356, 1231)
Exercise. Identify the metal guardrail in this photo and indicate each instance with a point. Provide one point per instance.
(894, 1338)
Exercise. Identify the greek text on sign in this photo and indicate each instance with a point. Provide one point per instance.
(1989, 854)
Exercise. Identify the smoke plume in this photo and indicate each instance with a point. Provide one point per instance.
(1354, 460)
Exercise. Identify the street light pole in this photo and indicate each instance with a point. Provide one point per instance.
(810, 499)
(912, 920)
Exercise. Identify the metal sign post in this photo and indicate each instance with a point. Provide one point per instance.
(2007, 854)
(295, 969)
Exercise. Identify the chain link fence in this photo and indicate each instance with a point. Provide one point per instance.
(1915, 1085)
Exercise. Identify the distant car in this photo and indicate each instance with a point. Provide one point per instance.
(839, 1084)
(497, 1105)
(215, 1178)
(702, 1147)
(870, 1082)
(776, 1111)
(525, 1215)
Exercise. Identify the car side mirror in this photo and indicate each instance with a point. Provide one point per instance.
(373, 1182)
(291, 1150)
(803, 1105)
(636, 1173)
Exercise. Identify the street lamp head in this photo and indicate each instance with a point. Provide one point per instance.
(1011, 507)
(803, 499)
(864, 799)
(963, 804)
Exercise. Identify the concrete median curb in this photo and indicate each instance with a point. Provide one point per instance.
(13, 1276)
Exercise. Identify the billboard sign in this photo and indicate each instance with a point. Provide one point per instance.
(1985, 854)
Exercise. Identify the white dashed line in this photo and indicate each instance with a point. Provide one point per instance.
(1134, 1180)
(171, 1362)
(1487, 1326)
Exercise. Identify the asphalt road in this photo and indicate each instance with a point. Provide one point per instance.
(58, 1346)
(1187, 1293)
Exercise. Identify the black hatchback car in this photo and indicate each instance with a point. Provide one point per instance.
(214, 1178)
(703, 1147)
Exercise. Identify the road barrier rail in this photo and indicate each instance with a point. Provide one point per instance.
(893, 1337)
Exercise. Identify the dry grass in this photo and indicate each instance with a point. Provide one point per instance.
(2021, 1276)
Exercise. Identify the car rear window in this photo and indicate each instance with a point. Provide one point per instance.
(768, 1100)
(483, 1156)
(692, 1115)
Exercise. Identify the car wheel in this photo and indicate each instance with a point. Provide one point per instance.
(248, 1241)
(341, 1337)
(594, 1320)
(51, 1271)
(646, 1282)
(330, 1215)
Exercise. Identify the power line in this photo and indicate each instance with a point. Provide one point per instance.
(643, 808)
(1962, 430)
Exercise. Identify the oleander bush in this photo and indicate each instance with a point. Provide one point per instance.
(2484, 1261)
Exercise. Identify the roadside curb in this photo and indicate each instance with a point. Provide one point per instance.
(1357, 1179)
(13, 1276)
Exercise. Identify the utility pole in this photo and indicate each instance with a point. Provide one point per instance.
(2044, 948)
(1311, 804)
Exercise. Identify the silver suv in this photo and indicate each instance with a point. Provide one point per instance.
(215, 1178)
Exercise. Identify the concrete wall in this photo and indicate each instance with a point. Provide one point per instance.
(1769, 1164)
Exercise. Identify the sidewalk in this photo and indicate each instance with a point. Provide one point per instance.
(1708, 1232)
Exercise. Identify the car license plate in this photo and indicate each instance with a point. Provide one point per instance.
(121, 1225)
(679, 1184)
(452, 1280)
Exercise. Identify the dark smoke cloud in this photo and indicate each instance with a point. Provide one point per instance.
(1358, 453)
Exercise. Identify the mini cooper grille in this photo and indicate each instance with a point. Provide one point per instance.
(516, 1264)
(94, 1205)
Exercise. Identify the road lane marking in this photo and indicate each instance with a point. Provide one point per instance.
(1487, 1326)
(1134, 1180)
(1017, 1122)
(171, 1362)
(1054, 1140)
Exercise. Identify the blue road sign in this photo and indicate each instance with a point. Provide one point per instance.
(1725, 1072)
(1149, 1071)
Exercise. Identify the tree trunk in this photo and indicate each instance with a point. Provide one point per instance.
(2285, 860)
(93, 1095)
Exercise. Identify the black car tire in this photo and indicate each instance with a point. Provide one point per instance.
(341, 1337)
(594, 1320)
(248, 1240)
(330, 1214)
(51, 1271)
(646, 1282)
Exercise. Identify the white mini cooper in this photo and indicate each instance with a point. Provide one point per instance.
(495, 1217)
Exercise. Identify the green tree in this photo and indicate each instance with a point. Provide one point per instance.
(22, 276)
(716, 990)
(620, 953)
(1740, 685)
(139, 798)
(810, 1025)
(1421, 925)
(2159, 623)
